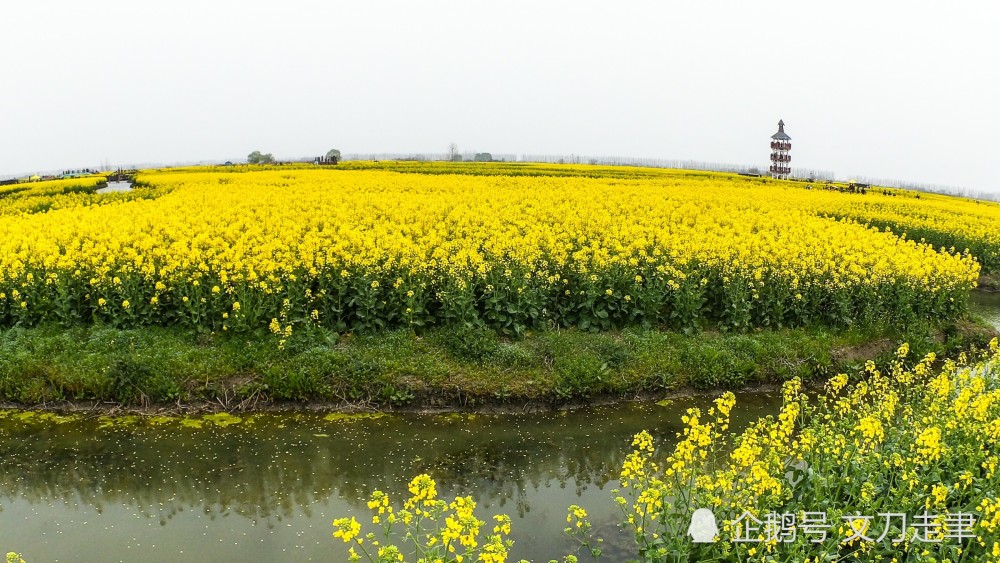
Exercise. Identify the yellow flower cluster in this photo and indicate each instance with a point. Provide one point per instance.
(941, 220)
(53, 187)
(921, 437)
(368, 249)
(39, 197)
(438, 530)
(347, 529)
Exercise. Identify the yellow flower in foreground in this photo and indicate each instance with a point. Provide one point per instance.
(347, 529)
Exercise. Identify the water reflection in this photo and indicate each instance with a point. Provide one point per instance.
(284, 477)
(986, 305)
(120, 186)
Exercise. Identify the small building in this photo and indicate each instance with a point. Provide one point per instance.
(78, 173)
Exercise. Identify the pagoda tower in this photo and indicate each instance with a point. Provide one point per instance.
(781, 143)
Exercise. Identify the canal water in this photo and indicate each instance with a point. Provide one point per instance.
(116, 187)
(986, 305)
(268, 487)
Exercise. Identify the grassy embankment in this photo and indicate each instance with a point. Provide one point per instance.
(51, 365)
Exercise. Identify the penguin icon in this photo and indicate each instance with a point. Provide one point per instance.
(703, 528)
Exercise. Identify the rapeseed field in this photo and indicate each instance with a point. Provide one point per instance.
(587, 247)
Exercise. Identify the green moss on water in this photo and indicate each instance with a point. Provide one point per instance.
(222, 419)
(120, 421)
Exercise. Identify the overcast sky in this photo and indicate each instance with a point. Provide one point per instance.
(900, 90)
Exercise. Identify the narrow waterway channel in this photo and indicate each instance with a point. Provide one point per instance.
(116, 187)
(986, 305)
(266, 488)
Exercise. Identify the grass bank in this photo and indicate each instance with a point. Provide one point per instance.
(151, 366)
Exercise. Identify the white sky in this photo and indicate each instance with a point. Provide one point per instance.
(905, 90)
